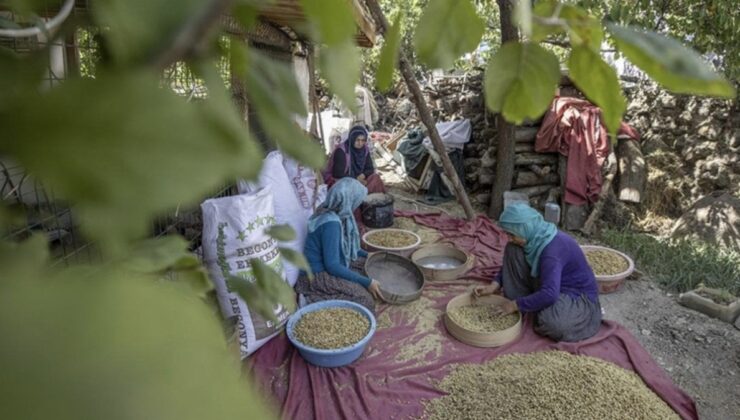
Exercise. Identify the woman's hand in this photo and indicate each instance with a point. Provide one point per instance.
(505, 308)
(480, 291)
(374, 289)
(362, 179)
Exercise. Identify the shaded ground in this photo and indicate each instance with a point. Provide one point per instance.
(701, 354)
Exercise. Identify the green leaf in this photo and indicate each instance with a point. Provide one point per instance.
(139, 29)
(124, 347)
(599, 82)
(246, 12)
(583, 29)
(124, 150)
(266, 291)
(540, 31)
(521, 80)
(333, 19)
(25, 259)
(389, 55)
(274, 92)
(283, 233)
(156, 254)
(668, 62)
(297, 259)
(20, 75)
(11, 216)
(447, 30)
(340, 64)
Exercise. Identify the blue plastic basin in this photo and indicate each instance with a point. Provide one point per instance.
(333, 357)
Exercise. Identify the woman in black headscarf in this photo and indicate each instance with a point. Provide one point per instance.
(352, 159)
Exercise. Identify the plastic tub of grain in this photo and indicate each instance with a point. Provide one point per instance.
(610, 266)
(401, 281)
(331, 333)
(472, 322)
(398, 241)
(442, 262)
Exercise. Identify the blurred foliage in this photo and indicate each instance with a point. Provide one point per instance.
(131, 336)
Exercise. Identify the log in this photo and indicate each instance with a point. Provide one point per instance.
(524, 148)
(526, 134)
(535, 191)
(632, 172)
(426, 116)
(529, 179)
(528, 159)
(606, 189)
(488, 160)
(540, 170)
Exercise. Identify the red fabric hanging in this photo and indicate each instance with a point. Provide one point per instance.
(573, 127)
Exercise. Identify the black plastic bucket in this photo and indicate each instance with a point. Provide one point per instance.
(377, 210)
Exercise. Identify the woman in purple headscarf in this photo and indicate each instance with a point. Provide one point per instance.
(352, 159)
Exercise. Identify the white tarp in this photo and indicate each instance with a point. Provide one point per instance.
(454, 134)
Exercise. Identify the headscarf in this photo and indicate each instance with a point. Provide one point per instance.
(357, 157)
(341, 201)
(521, 220)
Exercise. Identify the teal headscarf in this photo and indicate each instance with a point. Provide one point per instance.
(341, 201)
(521, 220)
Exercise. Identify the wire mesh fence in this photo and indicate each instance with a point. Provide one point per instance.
(80, 54)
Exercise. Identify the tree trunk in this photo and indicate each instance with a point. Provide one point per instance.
(426, 116)
(507, 136)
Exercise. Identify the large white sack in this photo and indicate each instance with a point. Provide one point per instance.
(288, 209)
(305, 185)
(233, 233)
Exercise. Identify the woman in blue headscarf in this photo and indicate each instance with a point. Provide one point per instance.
(333, 250)
(351, 159)
(545, 272)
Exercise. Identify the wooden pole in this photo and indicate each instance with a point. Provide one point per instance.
(426, 116)
(606, 189)
(506, 132)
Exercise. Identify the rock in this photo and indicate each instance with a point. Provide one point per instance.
(714, 219)
(666, 100)
(483, 198)
(645, 332)
(737, 323)
(704, 109)
(709, 129)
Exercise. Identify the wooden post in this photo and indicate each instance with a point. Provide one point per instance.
(506, 131)
(426, 116)
(606, 189)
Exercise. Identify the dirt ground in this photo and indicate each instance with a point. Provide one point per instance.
(701, 354)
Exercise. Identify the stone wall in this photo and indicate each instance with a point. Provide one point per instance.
(691, 144)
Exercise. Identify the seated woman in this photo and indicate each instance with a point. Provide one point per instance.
(545, 272)
(333, 250)
(351, 159)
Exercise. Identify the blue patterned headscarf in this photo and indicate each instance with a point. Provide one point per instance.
(341, 201)
(525, 222)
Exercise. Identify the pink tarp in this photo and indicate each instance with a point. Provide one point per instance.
(411, 351)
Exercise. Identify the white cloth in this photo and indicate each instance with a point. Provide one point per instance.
(454, 134)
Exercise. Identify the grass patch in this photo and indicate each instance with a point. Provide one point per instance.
(679, 264)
